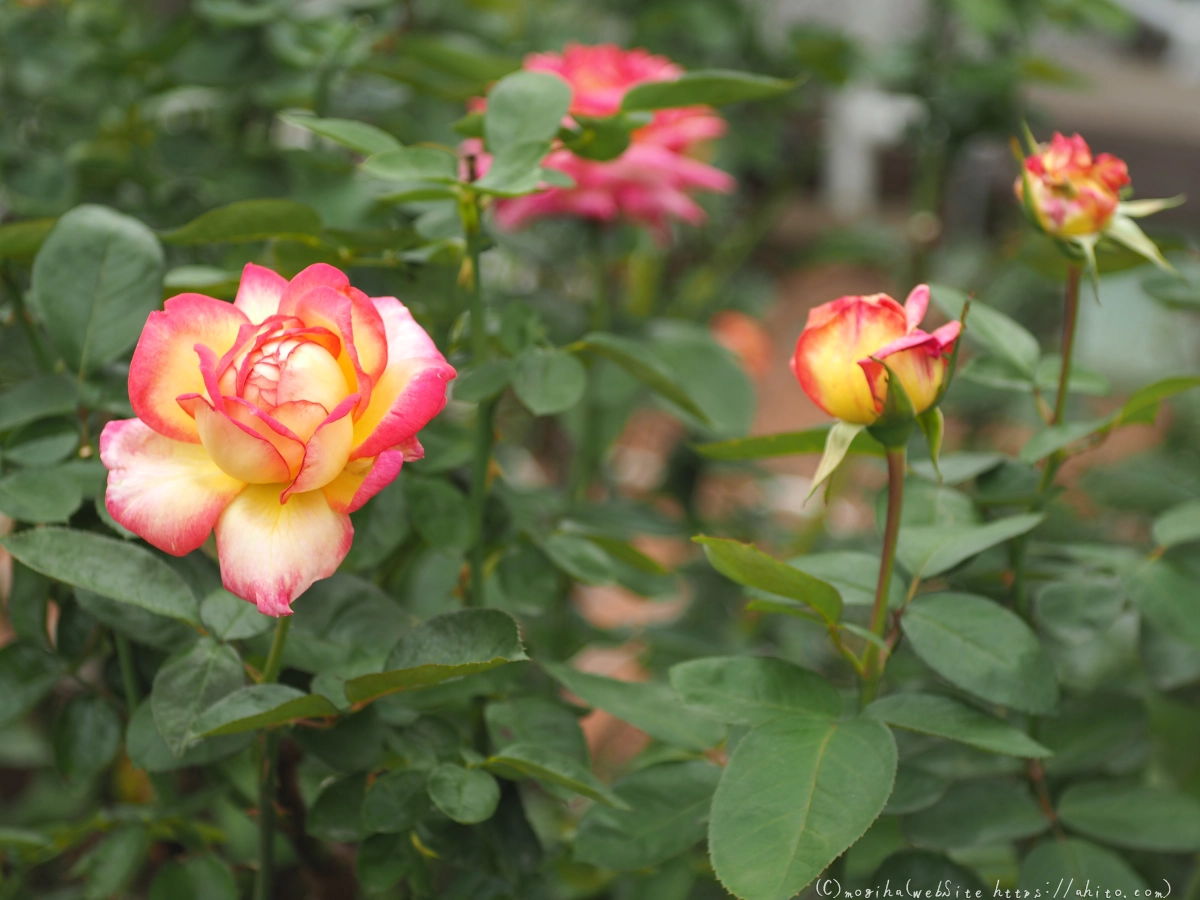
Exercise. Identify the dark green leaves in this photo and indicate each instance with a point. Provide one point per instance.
(95, 279)
(446, 646)
(260, 706)
(929, 550)
(992, 329)
(518, 761)
(653, 708)
(525, 106)
(1166, 595)
(1055, 861)
(1141, 818)
(710, 87)
(413, 164)
(87, 737)
(667, 815)
(786, 444)
(983, 648)
(39, 495)
(748, 565)
(247, 221)
(230, 618)
(640, 362)
(114, 568)
(1178, 525)
(753, 690)
(37, 398)
(188, 684)
(977, 813)
(781, 813)
(395, 802)
(26, 675)
(944, 717)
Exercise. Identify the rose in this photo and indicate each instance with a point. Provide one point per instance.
(1072, 194)
(652, 181)
(268, 420)
(836, 355)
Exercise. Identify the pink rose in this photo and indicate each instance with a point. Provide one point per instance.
(269, 420)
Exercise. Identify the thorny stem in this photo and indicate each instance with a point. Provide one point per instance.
(872, 661)
(267, 764)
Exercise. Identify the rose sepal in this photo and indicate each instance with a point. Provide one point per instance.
(895, 424)
(933, 426)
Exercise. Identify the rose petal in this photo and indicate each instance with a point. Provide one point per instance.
(411, 391)
(168, 492)
(259, 292)
(312, 373)
(164, 363)
(239, 449)
(916, 305)
(327, 451)
(271, 552)
(362, 479)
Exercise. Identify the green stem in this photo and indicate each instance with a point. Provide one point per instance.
(484, 414)
(873, 662)
(1070, 318)
(264, 883)
(129, 680)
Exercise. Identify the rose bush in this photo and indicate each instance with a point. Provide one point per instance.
(267, 422)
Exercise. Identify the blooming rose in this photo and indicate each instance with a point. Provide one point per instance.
(834, 364)
(269, 419)
(1074, 194)
(650, 183)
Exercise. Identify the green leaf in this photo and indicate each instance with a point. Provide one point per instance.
(107, 566)
(796, 793)
(753, 690)
(1124, 230)
(914, 790)
(345, 626)
(187, 684)
(746, 564)
(1058, 437)
(787, 444)
(21, 240)
(196, 878)
(945, 717)
(468, 796)
(960, 467)
(1178, 525)
(519, 761)
(260, 706)
(337, 813)
(991, 329)
(653, 708)
(642, 363)
(42, 444)
(1060, 860)
(136, 623)
(582, 559)
(515, 170)
(230, 618)
(525, 106)
(413, 164)
(1167, 596)
(977, 813)
(984, 649)
(87, 737)
(395, 802)
(853, 574)
(96, 278)
(38, 398)
(147, 750)
(27, 674)
(929, 550)
(536, 720)
(249, 221)
(837, 445)
(447, 646)
(380, 528)
(39, 495)
(382, 860)
(548, 381)
(439, 512)
(483, 382)
(358, 136)
(668, 814)
(1140, 818)
(109, 866)
(933, 424)
(915, 867)
(708, 87)
(714, 377)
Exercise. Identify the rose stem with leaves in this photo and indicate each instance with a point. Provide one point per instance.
(269, 749)
(1070, 321)
(873, 662)
(468, 209)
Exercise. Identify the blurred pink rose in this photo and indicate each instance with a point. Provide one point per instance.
(649, 184)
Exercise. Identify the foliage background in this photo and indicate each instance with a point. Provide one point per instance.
(166, 110)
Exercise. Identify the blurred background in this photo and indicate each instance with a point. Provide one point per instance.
(890, 165)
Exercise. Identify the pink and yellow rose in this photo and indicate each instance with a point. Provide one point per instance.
(1073, 193)
(268, 420)
(649, 184)
(836, 355)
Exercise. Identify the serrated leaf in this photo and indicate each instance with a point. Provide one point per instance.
(249, 221)
(753, 690)
(992, 329)
(259, 706)
(948, 718)
(358, 136)
(1141, 818)
(747, 565)
(187, 684)
(640, 361)
(787, 444)
(468, 796)
(929, 550)
(518, 761)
